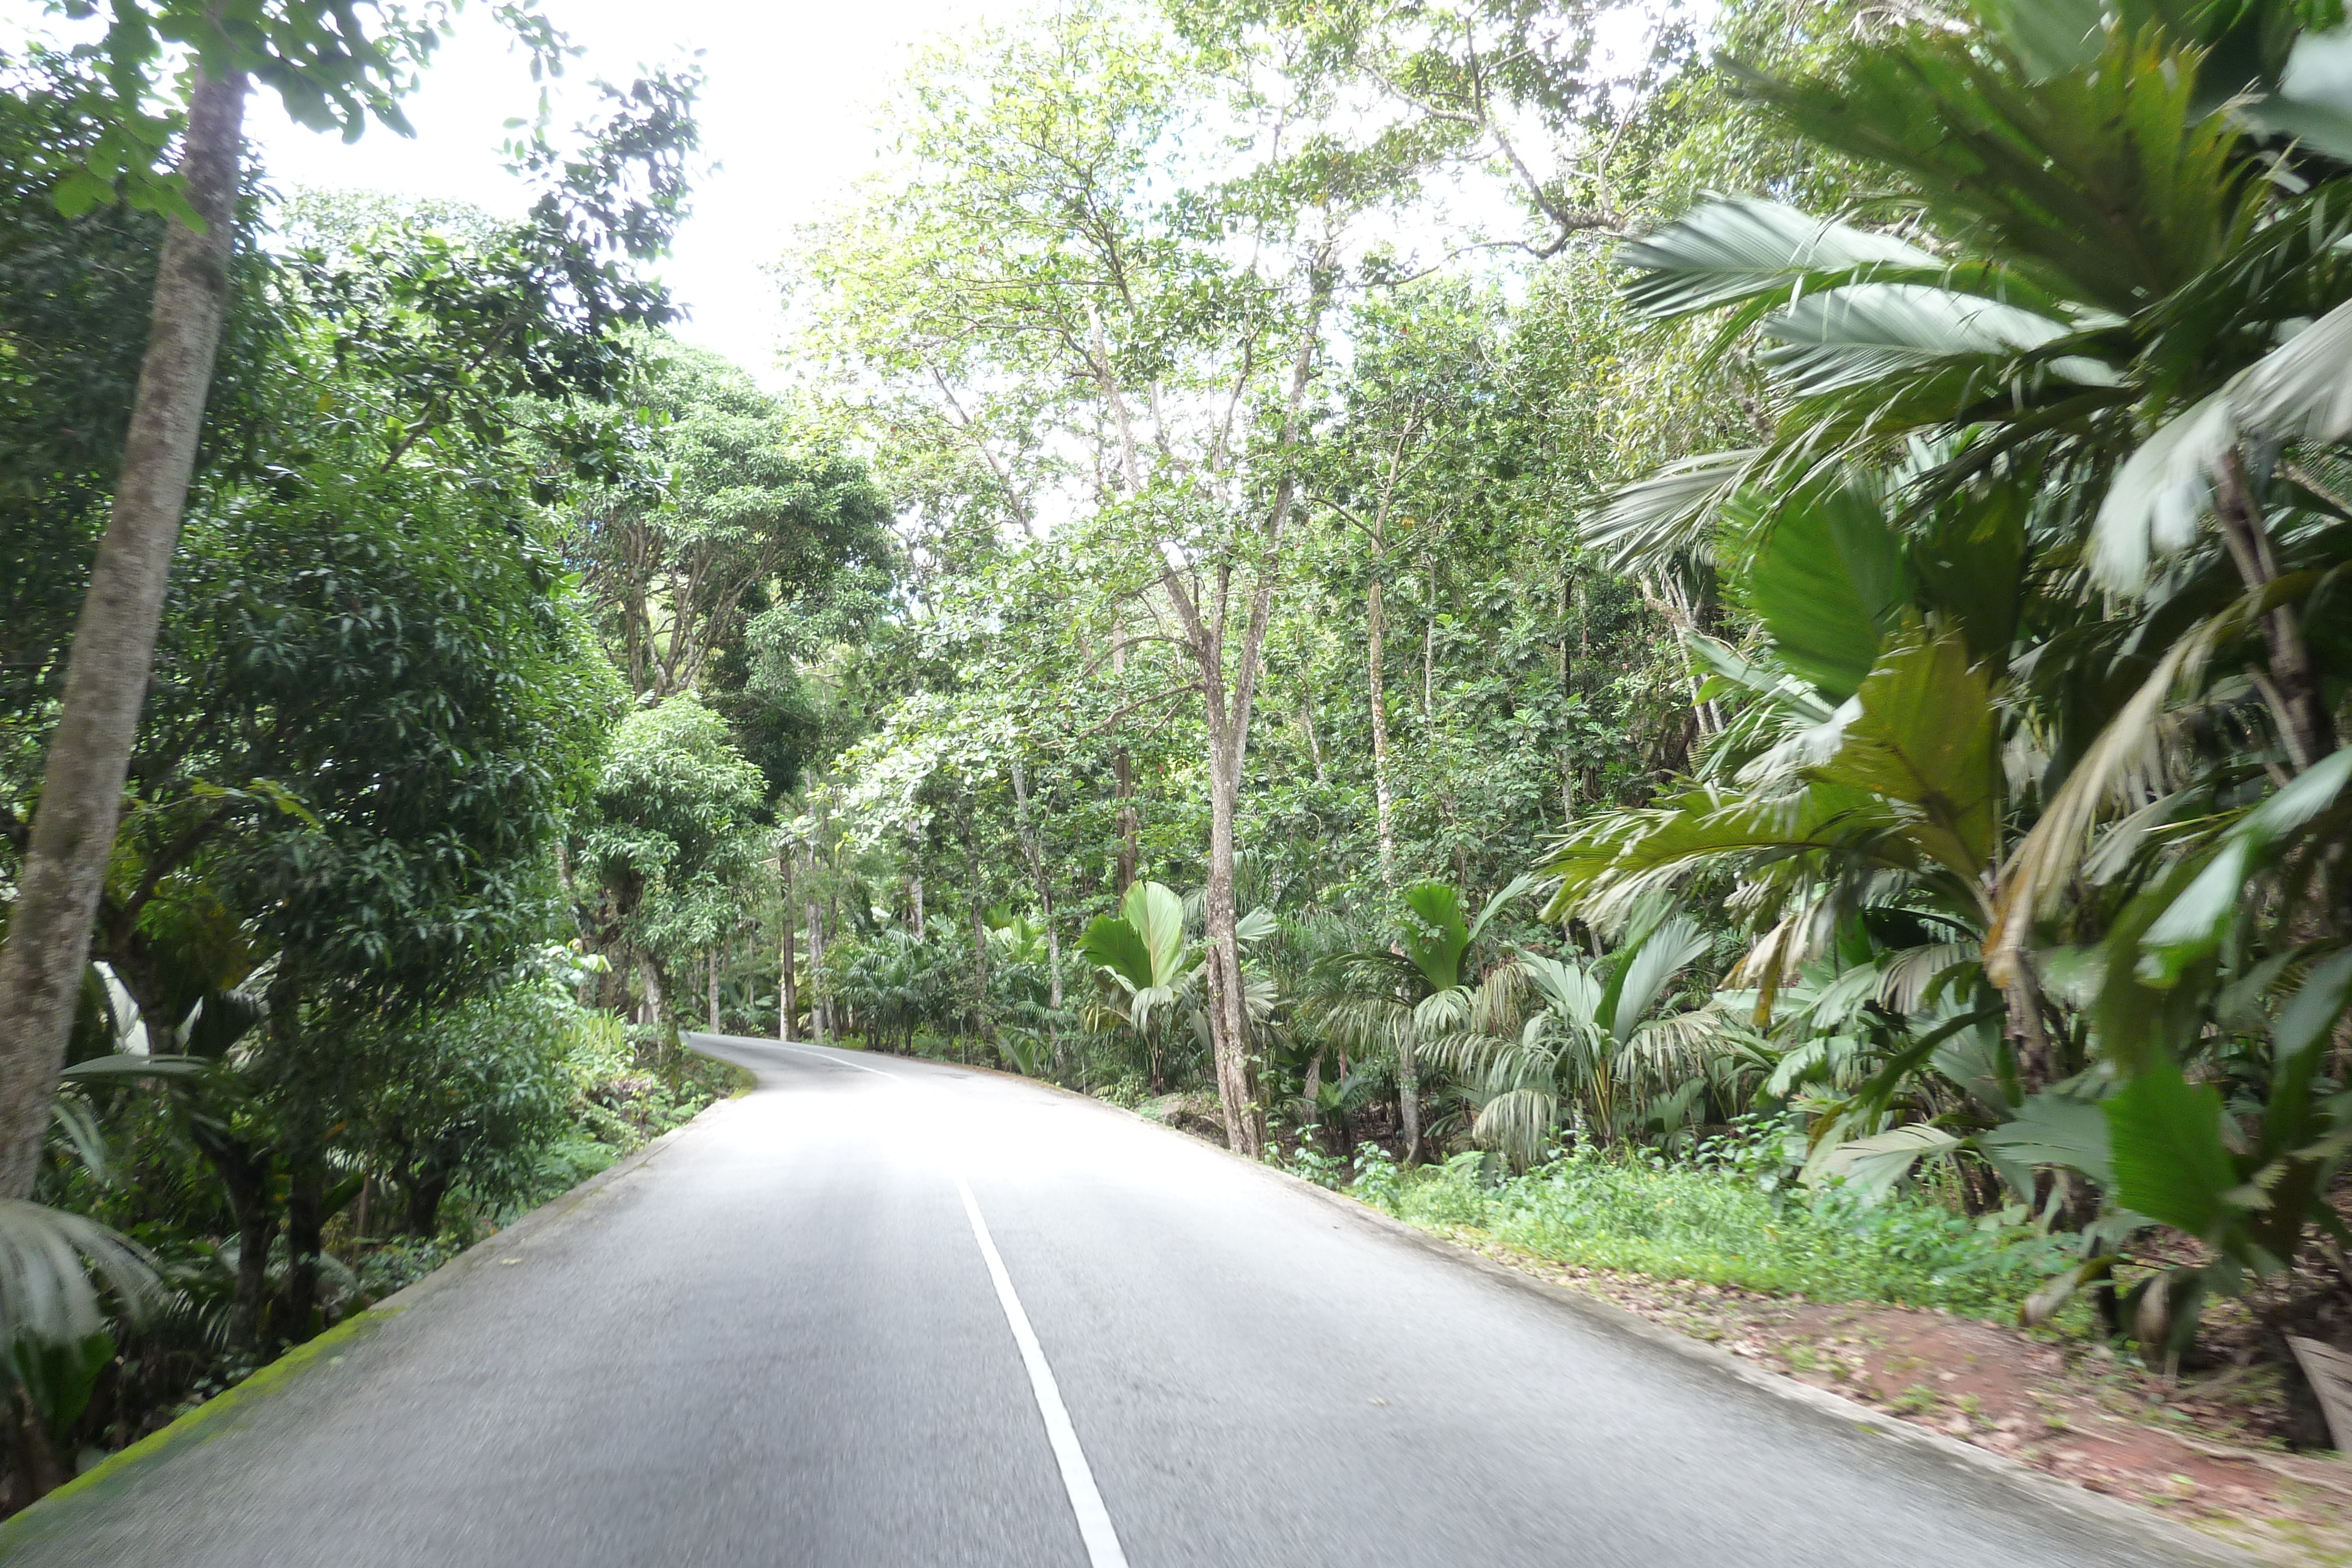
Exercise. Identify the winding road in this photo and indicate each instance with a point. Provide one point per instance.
(882, 1313)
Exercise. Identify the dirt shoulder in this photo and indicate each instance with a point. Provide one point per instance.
(2201, 1450)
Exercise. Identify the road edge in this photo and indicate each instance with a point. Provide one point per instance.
(2177, 1541)
(265, 1380)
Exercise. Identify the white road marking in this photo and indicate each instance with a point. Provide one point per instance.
(1077, 1479)
(828, 1056)
(1103, 1550)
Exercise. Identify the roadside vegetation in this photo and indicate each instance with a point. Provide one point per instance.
(1718, 1218)
(1702, 650)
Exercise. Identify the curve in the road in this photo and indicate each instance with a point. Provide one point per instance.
(783, 1339)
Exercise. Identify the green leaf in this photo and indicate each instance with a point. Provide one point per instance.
(2299, 391)
(1256, 925)
(81, 192)
(2168, 1158)
(1157, 913)
(1112, 944)
(1433, 933)
(2051, 1129)
(113, 1069)
(1873, 332)
(2313, 101)
(2306, 1020)
(59, 1376)
(2304, 1025)
(2193, 925)
(1871, 1167)
(1970, 565)
(2047, 36)
(1494, 906)
(1827, 576)
(46, 1258)
(1667, 952)
(1733, 248)
(1926, 737)
(1666, 513)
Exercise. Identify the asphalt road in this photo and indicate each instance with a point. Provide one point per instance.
(781, 1341)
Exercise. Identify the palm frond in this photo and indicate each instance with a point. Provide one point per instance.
(1670, 513)
(1517, 1124)
(48, 1260)
(1905, 977)
(2300, 390)
(1731, 250)
(2122, 765)
(1668, 950)
(1878, 332)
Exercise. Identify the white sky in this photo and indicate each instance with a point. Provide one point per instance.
(789, 113)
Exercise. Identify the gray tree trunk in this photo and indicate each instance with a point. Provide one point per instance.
(1228, 1002)
(1122, 772)
(787, 997)
(816, 957)
(1034, 847)
(1374, 628)
(113, 649)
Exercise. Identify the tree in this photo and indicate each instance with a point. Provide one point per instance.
(1416, 993)
(327, 69)
(747, 514)
(1146, 968)
(380, 659)
(673, 837)
(1542, 1037)
(1025, 249)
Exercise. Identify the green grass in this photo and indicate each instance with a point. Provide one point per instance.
(1715, 1226)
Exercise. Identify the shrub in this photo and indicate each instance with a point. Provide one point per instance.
(1715, 1225)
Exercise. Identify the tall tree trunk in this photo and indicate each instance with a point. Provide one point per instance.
(2037, 1066)
(1666, 598)
(244, 1172)
(1375, 626)
(304, 1141)
(915, 892)
(1228, 715)
(650, 972)
(978, 953)
(817, 959)
(1566, 761)
(306, 1222)
(1429, 650)
(1229, 1011)
(423, 1194)
(113, 652)
(1409, 1094)
(1035, 851)
(1123, 773)
(787, 997)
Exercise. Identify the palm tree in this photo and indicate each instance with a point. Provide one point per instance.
(1544, 1038)
(1148, 973)
(1394, 1003)
(2107, 349)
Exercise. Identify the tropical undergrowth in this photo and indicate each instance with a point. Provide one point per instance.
(1730, 1215)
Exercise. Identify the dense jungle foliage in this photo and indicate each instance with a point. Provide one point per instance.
(1542, 613)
